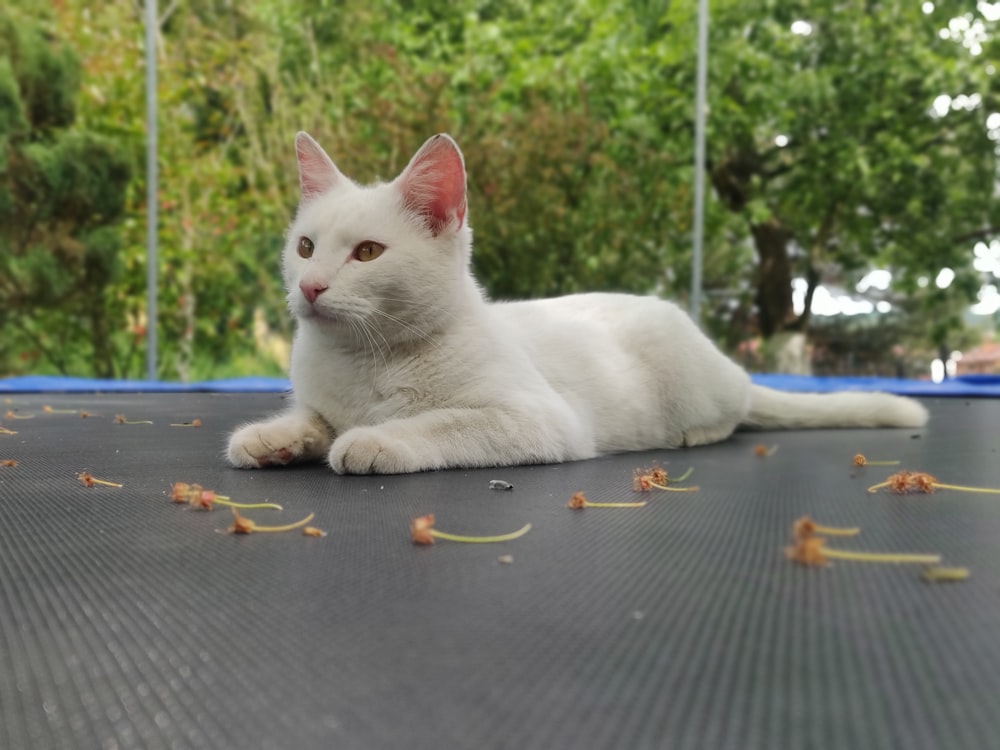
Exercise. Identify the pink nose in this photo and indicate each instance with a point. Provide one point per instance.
(312, 290)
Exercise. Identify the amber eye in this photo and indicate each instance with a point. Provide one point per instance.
(368, 250)
(305, 247)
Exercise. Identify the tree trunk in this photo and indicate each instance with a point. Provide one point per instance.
(774, 277)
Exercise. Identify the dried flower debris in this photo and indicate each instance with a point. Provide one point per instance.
(244, 525)
(763, 451)
(120, 419)
(192, 423)
(810, 550)
(8, 462)
(860, 460)
(422, 532)
(920, 482)
(656, 477)
(579, 501)
(89, 480)
(198, 497)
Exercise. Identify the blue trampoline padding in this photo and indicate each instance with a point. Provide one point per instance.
(965, 385)
(60, 384)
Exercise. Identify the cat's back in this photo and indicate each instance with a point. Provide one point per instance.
(619, 317)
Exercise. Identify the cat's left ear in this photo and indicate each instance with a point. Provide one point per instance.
(433, 184)
(317, 172)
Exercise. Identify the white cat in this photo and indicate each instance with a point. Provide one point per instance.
(400, 364)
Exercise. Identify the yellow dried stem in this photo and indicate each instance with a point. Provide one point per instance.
(120, 419)
(941, 574)
(50, 410)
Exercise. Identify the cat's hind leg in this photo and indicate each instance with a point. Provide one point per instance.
(290, 437)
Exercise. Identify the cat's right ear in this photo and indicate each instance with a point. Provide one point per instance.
(317, 172)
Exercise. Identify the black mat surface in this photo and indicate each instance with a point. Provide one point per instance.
(126, 621)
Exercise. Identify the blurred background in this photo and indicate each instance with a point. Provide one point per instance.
(852, 220)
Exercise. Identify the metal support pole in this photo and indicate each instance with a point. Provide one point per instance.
(700, 114)
(152, 217)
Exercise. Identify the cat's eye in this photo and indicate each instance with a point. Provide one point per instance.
(306, 247)
(368, 250)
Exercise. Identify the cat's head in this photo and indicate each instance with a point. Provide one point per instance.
(384, 260)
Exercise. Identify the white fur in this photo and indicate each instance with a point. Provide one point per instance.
(402, 365)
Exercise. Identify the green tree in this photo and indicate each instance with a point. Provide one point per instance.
(825, 142)
(62, 191)
(576, 119)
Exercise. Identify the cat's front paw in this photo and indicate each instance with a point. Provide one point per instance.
(369, 450)
(277, 442)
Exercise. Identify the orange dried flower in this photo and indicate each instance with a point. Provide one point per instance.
(8, 462)
(763, 451)
(921, 481)
(648, 479)
(420, 529)
(313, 531)
(807, 551)
(658, 475)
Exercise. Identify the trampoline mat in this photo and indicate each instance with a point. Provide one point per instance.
(128, 621)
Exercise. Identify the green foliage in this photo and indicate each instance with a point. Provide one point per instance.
(62, 192)
(576, 120)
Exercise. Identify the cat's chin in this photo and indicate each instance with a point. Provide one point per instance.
(322, 318)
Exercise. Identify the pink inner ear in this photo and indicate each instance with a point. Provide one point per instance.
(433, 184)
(317, 172)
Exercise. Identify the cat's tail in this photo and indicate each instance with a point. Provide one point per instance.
(771, 410)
